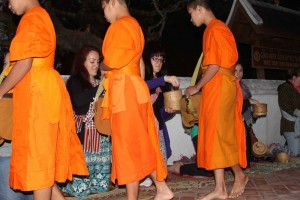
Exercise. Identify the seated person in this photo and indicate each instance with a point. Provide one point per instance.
(190, 169)
(289, 104)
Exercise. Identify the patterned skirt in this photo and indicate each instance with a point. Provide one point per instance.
(99, 167)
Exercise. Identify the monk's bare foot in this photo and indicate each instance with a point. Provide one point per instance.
(164, 194)
(216, 194)
(239, 186)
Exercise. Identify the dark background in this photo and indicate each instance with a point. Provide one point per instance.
(181, 39)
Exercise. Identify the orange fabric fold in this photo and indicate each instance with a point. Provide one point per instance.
(221, 139)
(135, 143)
(44, 141)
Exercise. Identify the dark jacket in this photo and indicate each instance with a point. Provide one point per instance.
(288, 100)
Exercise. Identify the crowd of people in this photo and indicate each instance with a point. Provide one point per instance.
(55, 146)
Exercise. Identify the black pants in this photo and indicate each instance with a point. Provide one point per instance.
(192, 168)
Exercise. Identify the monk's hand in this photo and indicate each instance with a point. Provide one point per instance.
(173, 80)
(191, 90)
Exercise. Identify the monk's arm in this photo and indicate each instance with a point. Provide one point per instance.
(207, 76)
(142, 68)
(17, 72)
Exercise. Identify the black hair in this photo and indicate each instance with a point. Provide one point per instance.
(293, 72)
(151, 50)
(78, 69)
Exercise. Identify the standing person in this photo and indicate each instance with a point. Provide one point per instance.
(127, 103)
(157, 81)
(221, 138)
(45, 147)
(82, 86)
(5, 153)
(289, 103)
(247, 111)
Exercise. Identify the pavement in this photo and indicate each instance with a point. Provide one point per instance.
(277, 185)
(284, 184)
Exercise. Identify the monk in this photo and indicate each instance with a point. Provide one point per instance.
(221, 135)
(135, 144)
(45, 147)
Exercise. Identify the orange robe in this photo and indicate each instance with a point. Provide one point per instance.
(221, 139)
(135, 144)
(45, 147)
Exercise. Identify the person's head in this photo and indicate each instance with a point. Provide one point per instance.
(86, 64)
(294, 76)
(114, 9)
(155, 61)
(20, 7)
(239, 71)
(200, 11)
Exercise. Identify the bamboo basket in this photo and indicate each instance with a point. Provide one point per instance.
(282, 157)
(260, 109)
(172, 99)
(259, 149)
(6, 110)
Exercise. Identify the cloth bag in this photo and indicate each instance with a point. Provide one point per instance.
(189, 106)
(6, 116)
(102, 125)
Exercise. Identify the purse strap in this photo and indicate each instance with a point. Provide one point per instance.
(99, 90)
(2, 73)
(196, 71)
(193, 82)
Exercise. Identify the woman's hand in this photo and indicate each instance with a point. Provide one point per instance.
(173, 80)
(191, 90)
(254, 101)
(170, 110)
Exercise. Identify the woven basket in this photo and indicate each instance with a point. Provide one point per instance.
(172, 99)
(259, 149)
(282, 157)
(260, 109)
(6, 120)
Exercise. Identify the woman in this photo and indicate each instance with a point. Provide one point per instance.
(45, 147)
(289, 103)
(248, 116)
(158, 82)
(82, 86)
(157, 79)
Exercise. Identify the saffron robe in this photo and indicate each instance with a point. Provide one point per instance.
(221, 138)
(45, 147)
(135, 143)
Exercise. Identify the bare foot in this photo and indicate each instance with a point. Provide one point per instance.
(175, 168)
(221, 194)
(239, 186)
(164, 193)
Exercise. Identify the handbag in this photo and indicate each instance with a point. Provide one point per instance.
(189, 105)
(102, 125)
(6, 117)
(189, 108)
